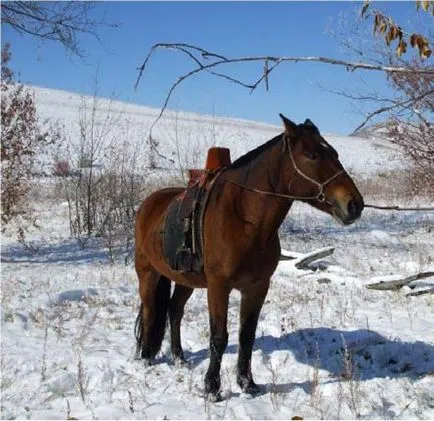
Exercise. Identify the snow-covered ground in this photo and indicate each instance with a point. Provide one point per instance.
(326, 346)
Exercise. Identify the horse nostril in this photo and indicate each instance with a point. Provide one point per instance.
(354, 209)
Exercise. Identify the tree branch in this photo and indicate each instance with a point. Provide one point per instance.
(198, 55)
(403, 105)
(55, 21)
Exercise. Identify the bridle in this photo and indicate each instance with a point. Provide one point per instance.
(320, 196)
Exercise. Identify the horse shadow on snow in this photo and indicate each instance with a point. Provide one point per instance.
(361, 354)
(68, 251)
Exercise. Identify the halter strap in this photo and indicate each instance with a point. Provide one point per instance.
(321, 197)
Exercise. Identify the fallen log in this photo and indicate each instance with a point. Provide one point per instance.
(307, 258)
(312, 256)
(421, 292)
(397, 284)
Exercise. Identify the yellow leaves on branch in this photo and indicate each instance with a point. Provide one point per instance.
(401, 49)
(391, 31)
(419, 41)
(394, 33)
(385, 26)
(365, 8)
(425, 5)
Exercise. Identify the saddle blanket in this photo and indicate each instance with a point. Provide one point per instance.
(182, 230)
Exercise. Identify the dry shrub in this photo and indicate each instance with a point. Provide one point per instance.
(397, 187)
(21, 140)
(103, 179)
(61, 168)
(411, 126)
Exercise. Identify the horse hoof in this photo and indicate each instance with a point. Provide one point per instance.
(214, 397)
(254, 390)
(147, 362)
(212, 390)
(248, 386)
(180, 362)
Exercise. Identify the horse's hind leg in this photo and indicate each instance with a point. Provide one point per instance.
(176, 311)
(151, 321)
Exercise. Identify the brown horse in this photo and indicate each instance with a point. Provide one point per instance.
(241, 247)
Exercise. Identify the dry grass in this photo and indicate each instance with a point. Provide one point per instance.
(396, 186)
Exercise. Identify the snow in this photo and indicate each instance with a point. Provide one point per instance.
(326, 346)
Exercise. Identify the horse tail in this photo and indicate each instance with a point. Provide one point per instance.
(149, 348)
(162, 300)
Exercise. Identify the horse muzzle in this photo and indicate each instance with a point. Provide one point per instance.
(348, 211)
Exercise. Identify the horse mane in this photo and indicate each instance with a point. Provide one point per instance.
(251, 155)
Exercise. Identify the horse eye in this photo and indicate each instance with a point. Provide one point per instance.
(310, 154)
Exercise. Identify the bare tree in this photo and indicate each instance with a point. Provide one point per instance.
(124, 184)
(96, 128)
(412, 128)
(106, 178)
(407, 113)
(59, 21)
(388, 47)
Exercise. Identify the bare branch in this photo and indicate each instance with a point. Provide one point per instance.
(357, 97)
(265, 76)
(402, 105)
(198, 55)
(55, 21)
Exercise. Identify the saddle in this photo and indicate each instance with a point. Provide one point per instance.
(182, 229)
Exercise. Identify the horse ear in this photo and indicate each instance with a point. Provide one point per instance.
(290, 127)
(310, 124)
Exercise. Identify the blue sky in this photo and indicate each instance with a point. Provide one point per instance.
(229, 28)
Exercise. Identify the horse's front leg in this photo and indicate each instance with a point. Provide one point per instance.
(218, 299)
(252, 300)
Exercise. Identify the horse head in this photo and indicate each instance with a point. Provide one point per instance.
(316, 176)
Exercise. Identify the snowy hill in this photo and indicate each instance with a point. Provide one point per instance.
(187, 136)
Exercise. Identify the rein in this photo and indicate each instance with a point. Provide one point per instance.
(290, 197)
(399, 208)
(269, 193)
(320, 196)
